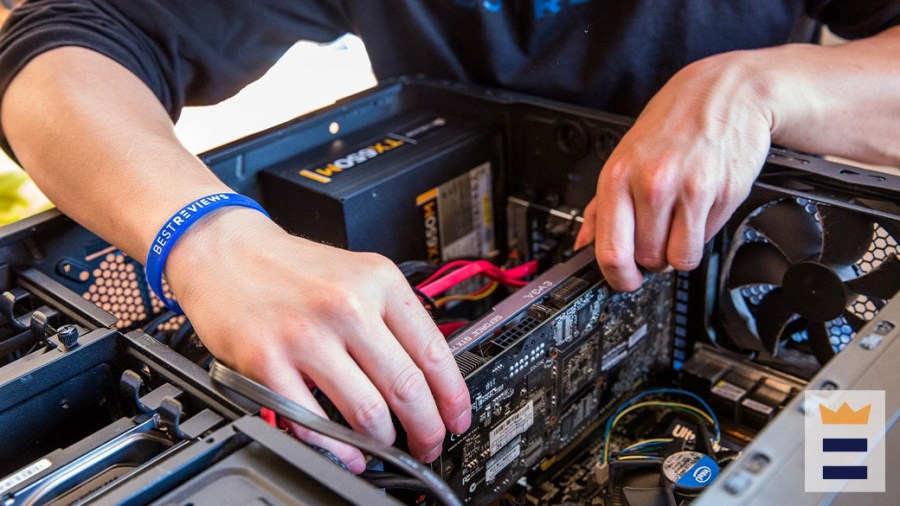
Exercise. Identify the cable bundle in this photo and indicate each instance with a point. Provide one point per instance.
(706, 414)
(458, 271)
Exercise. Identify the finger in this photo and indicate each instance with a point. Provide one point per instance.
(404, 387)
(586, 233)
(614, 236)
(685, 248)
(653, 201)
(417, 333)
(351, 391)
(286, 380)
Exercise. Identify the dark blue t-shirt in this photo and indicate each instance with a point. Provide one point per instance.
(608, 54)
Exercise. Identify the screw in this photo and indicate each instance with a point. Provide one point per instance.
(68, 336)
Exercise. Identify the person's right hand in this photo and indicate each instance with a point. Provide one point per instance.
(281, 309)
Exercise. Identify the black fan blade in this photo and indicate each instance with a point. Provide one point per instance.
(819, 342)
(674, 446)
(646, 496)
(772, 315)
(846, 237)
(791, 229)
(882, 282)
(701, 441)
(757, 262)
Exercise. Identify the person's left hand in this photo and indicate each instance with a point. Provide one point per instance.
(681, 170)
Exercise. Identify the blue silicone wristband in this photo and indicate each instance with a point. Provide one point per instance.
(177, 225)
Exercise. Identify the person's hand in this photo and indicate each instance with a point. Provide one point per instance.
(680, 171)
(281, 310)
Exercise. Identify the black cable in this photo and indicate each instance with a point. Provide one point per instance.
(392, 481)
(223, 376)
(425, 298)
(157, 321)
(330, 456)
(417, 267)
(181, 336)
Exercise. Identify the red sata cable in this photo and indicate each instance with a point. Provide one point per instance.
(478, 267)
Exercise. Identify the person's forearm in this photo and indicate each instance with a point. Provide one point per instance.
(97, 141)
(839, 100)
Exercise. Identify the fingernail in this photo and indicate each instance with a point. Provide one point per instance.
(433, 454)
(357, 465)
(462, 421)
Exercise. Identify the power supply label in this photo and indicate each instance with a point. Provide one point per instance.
(325, 173)
(390, 142)
(458, 216)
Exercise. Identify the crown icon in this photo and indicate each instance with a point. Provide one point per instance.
(845, 415)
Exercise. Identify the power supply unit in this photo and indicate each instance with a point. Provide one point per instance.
(427, 181)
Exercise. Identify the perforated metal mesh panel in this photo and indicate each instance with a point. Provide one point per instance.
(118, 286)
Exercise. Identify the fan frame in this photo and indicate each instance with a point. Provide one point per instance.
(712, 317)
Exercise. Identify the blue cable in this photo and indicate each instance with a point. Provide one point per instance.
(678, 391)
(641, 445)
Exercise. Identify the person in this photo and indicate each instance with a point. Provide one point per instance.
(91, 88)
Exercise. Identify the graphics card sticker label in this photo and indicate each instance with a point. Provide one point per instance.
(636, 337)
(11, 481)
(728, 391)
(502, 460)
(514, 425)
(757, 406)
(458, 216)
(614, 356)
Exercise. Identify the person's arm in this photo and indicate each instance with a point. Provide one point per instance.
(278, 308)
(693, 153)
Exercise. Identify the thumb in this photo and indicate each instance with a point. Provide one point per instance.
(586, 234)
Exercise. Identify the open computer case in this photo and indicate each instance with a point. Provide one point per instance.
(105, 398)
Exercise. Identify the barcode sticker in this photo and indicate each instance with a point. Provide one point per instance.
(502, 461)
(24, 474)
(514, 425)
(638, 334)
(758, 406)
(728, 391)
(614, 356)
